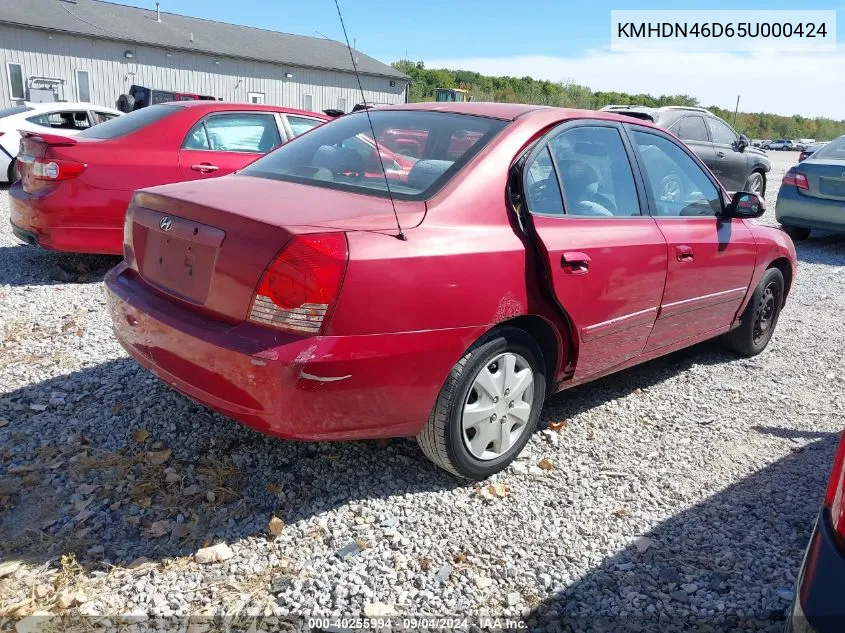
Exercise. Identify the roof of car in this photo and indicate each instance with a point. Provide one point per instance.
(506, 111)
(228, 105)
(58, 106)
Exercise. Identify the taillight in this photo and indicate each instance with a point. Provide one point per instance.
(796, 178)
(55, 169)
(833, 500)
(301, 285)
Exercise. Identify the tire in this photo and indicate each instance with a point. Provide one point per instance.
(756, 174)
(797, 233)
(760, 317)
(126, 103)
(12, 173)
(443, 439)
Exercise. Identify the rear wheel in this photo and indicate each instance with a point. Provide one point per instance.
(797, 233)
(758, 320)
(488, 408)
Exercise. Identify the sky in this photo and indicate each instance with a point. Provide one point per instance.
(558, 41)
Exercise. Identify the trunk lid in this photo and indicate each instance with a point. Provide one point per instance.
(205, 245)
(825, 177)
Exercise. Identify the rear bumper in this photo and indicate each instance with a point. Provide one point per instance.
(86, 221)
(818, 606)
(795, 209)
(314, 388)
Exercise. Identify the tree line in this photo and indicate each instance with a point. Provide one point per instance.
(758, 125)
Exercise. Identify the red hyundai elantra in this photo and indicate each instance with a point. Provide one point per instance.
(556, 247)
(73, 192)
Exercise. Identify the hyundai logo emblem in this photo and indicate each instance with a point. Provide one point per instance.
(165, 223)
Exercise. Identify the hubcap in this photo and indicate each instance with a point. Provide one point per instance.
(498, 406)
(765, 313)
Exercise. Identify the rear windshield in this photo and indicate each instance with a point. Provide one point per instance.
(4, 112)
(128, 123)
(835, 150)
(420, 152)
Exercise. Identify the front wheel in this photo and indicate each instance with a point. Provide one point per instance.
(756, 184)
(488, 408)
(758, 320)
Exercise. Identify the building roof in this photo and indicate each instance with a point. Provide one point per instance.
(107, 20)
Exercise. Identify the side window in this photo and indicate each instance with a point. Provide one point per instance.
(247, 132)
(102, 117)
(595, 172)
(692, 128)
(541, 186)
(721, 132)
(300, 124)
(679, 186)
(62, 120)
(197, 138)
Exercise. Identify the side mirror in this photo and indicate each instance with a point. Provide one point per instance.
(745, 204)
(743, 142)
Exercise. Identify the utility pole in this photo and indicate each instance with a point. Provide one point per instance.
(736, 110)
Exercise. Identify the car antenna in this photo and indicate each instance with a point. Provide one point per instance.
(401, 234)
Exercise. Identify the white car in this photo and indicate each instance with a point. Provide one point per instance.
(65, 119)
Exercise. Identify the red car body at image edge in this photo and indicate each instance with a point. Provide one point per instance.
(73, 192)
(560, 246)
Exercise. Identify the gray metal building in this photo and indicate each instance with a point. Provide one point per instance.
(90, 50)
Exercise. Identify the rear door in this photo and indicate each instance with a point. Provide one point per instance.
(731, 164)
(606, 258)
(711, 258)
(692, 130)
(224, 142)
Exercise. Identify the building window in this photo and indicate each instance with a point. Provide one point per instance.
(308, 102)
(256, 97)
(83, 88)
(15, 80)
(341, 104)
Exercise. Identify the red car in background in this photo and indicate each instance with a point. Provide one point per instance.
(73, 192)
(550, 252)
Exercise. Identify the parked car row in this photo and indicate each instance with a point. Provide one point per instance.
(281, 296)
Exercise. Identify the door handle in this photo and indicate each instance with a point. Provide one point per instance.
(720, 154)
(684, 253)
(575, 263)
(205, 168)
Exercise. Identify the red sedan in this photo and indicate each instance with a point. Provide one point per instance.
(73, 192)
(558, 247)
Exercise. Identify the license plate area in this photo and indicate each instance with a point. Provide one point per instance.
(832, 187)
(175, 254)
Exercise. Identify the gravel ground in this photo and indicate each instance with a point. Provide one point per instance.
(680, 494)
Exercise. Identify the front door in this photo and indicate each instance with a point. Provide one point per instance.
(711, 258)
(222, 143)
(730, 165)
(606, 258)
